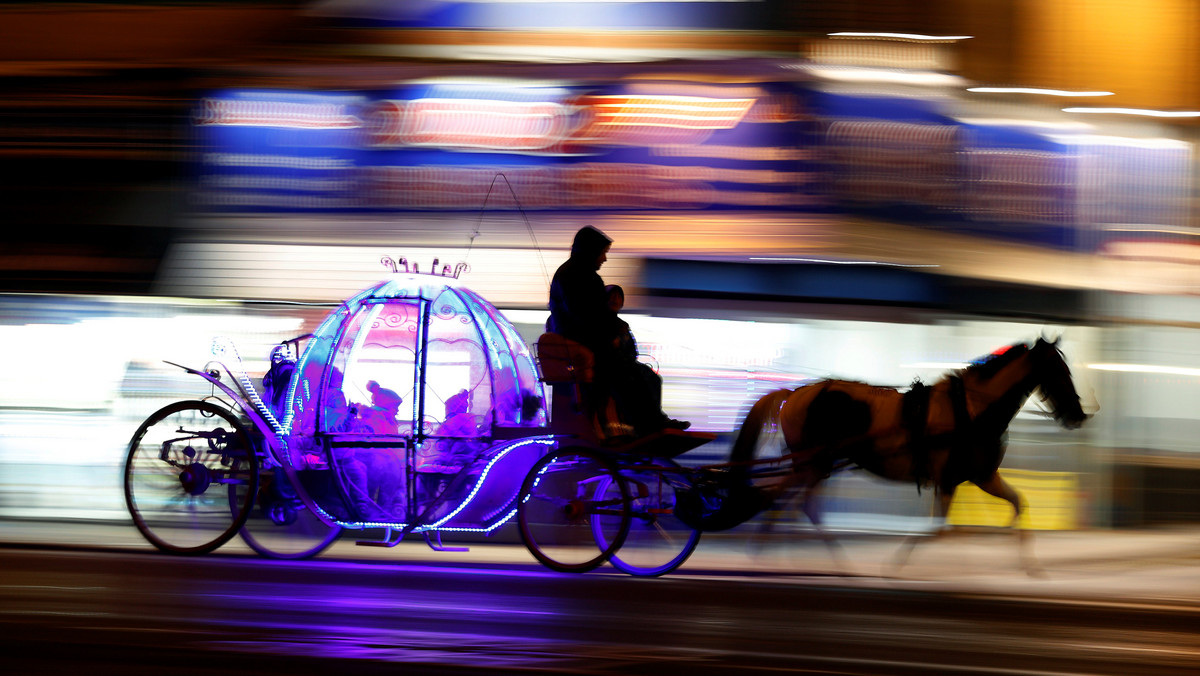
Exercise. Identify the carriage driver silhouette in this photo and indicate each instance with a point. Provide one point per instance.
(580, 311)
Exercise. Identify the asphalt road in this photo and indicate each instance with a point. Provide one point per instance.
(114, 611)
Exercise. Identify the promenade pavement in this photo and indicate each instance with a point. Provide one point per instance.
(1144, 566)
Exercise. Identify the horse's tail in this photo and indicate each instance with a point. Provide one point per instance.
(763, 411)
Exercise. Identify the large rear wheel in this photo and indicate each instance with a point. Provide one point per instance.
(191, 476)
(568, 495)
(657, 542)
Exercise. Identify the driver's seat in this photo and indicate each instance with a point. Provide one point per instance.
(577, 406)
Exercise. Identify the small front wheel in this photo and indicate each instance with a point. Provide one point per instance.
(658, 542)
(280, 525)
(566, 496)
(191, 477)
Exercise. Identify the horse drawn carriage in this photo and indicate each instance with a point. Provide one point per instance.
(415, 407)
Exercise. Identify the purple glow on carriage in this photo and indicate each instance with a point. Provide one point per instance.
(415, 407)
(412, 388)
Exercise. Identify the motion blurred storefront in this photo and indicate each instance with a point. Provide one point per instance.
(785, 206)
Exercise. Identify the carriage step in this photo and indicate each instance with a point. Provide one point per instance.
(376, 543)
(388, 540)
(435, 543)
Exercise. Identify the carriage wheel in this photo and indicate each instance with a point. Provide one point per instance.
(279, 525)
(565, 497)
(658, 542)
(187, 464)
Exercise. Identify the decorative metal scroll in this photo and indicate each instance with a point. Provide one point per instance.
(414, 267)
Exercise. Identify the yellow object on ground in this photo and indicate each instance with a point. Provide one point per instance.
(1051, 502)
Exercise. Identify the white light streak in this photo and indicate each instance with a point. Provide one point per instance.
(939, 365)
(1027, 123)
(1135, 111)
(1147, 368)
(855, 74)
(1122, 141)
(685, 112)
(491, 83)
(1035, 90)
(611, 2)
(786, 259)
(903, 36)
(1114, 227)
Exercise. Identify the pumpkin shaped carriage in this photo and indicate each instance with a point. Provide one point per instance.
(414, 407)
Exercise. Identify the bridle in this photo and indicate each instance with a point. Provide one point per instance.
(1054, 379)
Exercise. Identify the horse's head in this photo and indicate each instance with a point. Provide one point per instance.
(1053, 378)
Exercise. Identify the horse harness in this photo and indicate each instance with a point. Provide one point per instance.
(914, 417)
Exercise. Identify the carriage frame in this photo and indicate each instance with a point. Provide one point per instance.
(226, 465)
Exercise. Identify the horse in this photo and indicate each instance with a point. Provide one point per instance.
(942, 435)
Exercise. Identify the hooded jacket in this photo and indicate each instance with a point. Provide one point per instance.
(578, 304)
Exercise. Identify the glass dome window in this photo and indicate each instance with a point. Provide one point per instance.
(416, 356)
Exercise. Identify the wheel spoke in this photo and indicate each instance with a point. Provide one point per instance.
(279, 525)
(181, 463)
(657, 542)
(560, 507)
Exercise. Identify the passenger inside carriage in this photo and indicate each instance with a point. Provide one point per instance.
(457, 438)
(373, 477)
(457, 441)
(383, 410)
(580, 310)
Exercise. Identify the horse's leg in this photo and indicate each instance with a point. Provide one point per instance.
(997, 486)
(942, 507)
(803, 489)
(812, 509)
(783, 506)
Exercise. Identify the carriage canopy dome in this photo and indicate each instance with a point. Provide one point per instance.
(416, 355)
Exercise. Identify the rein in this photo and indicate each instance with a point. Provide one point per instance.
(915, 419)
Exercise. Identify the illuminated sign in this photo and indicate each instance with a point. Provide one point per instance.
(662, 120)
(933, 170)
(470, 123)
(540, 14)
(665, 143)
(285, 114)
(278, 151)
(888, 163)
(548, 126)
(901, 158)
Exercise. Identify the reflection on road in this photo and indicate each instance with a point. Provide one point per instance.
(141, 610)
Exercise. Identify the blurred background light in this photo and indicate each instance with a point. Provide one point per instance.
(1134, 111)
(1035, 90)
(885, 76)
(902, 36)
(1147, 368)
(787, 202)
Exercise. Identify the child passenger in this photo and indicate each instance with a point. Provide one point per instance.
(641, 373)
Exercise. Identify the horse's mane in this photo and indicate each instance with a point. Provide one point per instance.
(988, 365)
